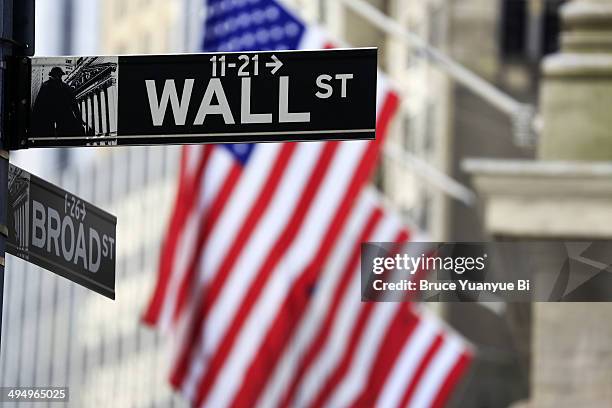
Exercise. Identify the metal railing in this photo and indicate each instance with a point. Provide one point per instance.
(523, 115)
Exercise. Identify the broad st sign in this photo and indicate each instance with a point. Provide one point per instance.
(60, 232)
(197, 98)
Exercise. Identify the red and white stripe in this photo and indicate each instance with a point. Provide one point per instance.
(206, 172)
(279, 242)
(261, 269)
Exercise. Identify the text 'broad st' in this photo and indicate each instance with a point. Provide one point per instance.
(60, 232)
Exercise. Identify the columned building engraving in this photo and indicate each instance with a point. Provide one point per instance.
(94, 81)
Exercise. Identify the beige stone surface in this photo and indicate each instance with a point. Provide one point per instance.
(564, 197)
(573, 355)
(576, 92)
(546, 199)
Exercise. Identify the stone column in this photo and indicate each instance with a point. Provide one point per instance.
(87, 111)
(565, 195)
(572, 343)
(576, 96)
(100, 112)
(106, 111)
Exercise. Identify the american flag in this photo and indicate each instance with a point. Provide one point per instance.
(259, 272)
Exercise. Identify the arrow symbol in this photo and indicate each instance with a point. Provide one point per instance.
(277, 64)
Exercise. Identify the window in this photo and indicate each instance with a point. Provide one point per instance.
(513, 28)
(529, 29)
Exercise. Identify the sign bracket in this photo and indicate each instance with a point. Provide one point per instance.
(16, 103)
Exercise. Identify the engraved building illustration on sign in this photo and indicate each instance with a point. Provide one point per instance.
(75, 97)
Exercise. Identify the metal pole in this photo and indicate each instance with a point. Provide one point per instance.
(439, 179)
(5, 32)
(16, 38)
(525, 120)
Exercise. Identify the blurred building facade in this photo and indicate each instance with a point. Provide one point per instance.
(563, 195)
(56, 333)
(61, 334)
(63, 27)
(142, 26)
(442, 122)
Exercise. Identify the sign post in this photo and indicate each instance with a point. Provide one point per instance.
(4, 164)
(16, 38)
(196, 98)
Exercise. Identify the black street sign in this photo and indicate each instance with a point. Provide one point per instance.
(58, 231)
(195, 98)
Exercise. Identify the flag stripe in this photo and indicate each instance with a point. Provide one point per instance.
(422, 367)
(332, 381)
(327, 324)
(284, 241)
(207, 222)
(347, 384)
(187, 290)
(402, 327)
(212, 290)
(334, 226)
(362, 171)
(187, 287)
(324, 357)
(193, 161)
(346, 154)
(437, 372)
(407, 363)
(291, 312)
(272, 230)
(348, 377)
(210, 184)
(386, 112)
(237, 210)
(260, 368)
(451, 380)
(261, 264)
(168, 245)
(325, 289)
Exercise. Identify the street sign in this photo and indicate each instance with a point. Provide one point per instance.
(60, 232)
(195, 98)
